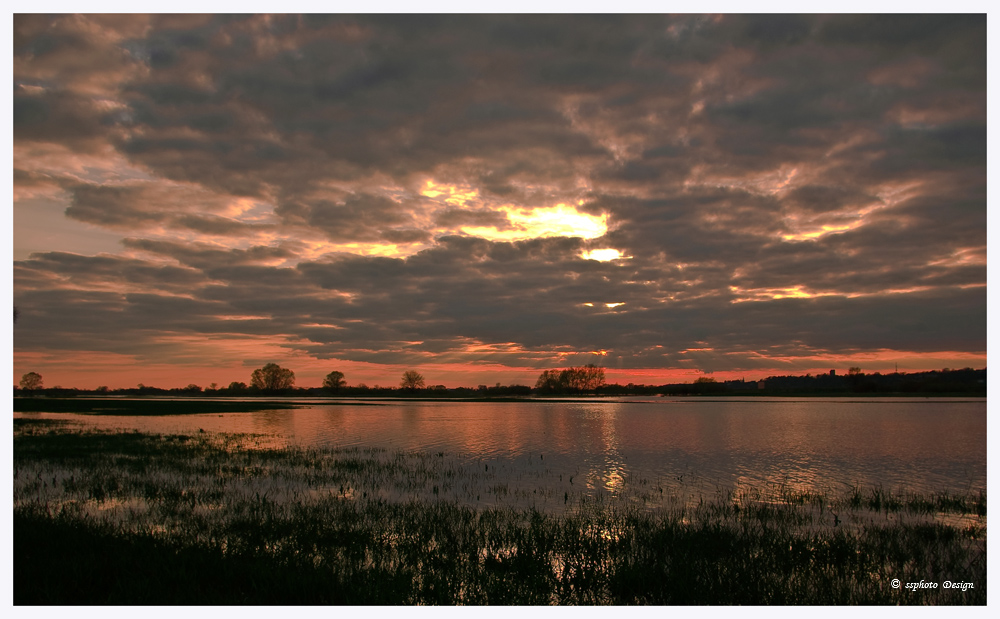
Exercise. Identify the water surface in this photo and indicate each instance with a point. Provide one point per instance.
(917, 445)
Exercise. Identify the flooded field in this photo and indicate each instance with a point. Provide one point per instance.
(345, 523)
(688, 445)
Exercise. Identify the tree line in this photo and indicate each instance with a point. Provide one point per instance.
(272, 379)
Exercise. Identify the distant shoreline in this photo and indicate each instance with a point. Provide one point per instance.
(966, 382)
(180, 405)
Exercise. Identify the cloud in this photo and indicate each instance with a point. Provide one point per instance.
(373, 188)
(166, 206)
(358, 217)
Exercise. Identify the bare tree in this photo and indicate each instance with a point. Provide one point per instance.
(334, 381)
(412, 380)
(549, 380)
(589, 377)
(31, 381)
(272, 377)
(586, 378)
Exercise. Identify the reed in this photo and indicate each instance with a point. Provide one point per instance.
(133, 518)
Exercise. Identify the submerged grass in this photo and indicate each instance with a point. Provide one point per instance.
(132, 518)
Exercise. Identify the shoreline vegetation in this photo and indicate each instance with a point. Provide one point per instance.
(572, 382)
(116, 517)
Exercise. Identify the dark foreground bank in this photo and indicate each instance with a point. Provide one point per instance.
(129, 518)
(141, 407)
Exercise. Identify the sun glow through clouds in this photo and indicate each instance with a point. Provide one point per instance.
(559, 220)
(603, 255)
(823, 231)
(239, 227)
(521, 223)
(451, 194)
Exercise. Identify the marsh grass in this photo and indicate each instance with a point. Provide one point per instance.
(133, 518)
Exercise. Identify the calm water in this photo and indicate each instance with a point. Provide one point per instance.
(908, 444)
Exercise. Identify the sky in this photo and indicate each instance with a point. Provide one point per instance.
(484, 197)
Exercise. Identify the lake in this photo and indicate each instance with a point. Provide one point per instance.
(691, 447)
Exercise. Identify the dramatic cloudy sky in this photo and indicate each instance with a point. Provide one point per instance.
(484, 197)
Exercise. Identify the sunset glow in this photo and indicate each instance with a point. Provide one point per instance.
(794, 292)
(489, 196)
(603, 255)
(450, 193)
(824, 230)
(547, 222)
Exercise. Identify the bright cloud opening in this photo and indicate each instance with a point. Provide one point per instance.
(823, 231)
(522, 223)
(554, 221)
(452, 194)
(603, 255)
(773, 294)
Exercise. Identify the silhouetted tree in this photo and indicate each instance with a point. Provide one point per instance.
(412, 380)
(237, 386)
(586, 378)
(31, 381)
(549, 380)
(707, 384)
(272, 377)
(334, 381)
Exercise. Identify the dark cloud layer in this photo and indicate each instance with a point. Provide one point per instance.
(362, 187)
